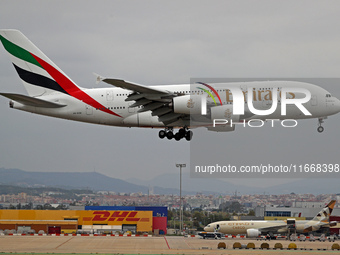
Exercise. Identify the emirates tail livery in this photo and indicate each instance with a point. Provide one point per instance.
(214, 106)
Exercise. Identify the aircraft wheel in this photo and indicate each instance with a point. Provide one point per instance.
(182, 132)
(188, 135)
(178, 136)
(320, 129)
(169, 135)
(162, 134)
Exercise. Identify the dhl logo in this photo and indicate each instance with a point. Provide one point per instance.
(115, 216)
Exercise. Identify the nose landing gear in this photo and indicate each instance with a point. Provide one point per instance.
(320, 127)
(182, 133)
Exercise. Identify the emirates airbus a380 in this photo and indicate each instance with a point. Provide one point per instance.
(52, 93)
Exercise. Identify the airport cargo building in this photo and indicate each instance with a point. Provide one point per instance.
(159, 215)
(72, 221)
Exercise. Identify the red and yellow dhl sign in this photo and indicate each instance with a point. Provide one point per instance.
(118, 216)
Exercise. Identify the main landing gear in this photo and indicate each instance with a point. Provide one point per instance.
(182, 133)
(320, 127)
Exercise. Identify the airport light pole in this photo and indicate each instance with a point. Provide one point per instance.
(180, 197)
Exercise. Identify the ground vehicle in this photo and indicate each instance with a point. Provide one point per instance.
(214, 235)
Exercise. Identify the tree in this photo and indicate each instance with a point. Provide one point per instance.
(28, 206)
(170, 215)
(39, 207)
(251, 213)
(198, 216)
(48, 207)
(231, 207)
(61, 207)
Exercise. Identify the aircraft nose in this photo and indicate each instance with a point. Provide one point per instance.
(208, 228)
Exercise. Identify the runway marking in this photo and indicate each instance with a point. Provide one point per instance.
(187, 244)
(65, 242)
(167, 243)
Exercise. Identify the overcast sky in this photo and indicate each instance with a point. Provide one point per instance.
(158, 42)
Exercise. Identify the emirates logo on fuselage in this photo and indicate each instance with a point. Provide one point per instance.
(190, 103)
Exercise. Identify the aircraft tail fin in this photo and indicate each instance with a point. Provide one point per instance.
(38, 73)
(323, 215)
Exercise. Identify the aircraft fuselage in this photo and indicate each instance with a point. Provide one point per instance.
(322, 104)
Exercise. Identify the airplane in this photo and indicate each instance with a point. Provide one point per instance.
(167, 107)
(253, 229)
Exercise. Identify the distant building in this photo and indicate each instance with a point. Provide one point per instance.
(72, 221)
(300, 209)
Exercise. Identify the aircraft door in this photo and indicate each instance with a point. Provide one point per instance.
(89, 109)
(314, 100)
(109, 95)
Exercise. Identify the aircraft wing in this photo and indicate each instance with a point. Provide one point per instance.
(133, 86)
(149, 99)
(273, 229)
(31, 101)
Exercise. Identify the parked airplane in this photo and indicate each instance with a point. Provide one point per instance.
(52, 93)
(256, 228)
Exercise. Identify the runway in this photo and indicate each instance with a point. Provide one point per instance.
(146, 245)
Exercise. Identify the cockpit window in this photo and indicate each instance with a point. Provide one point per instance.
(328, 95)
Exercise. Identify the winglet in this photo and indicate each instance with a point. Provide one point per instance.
(98, 78)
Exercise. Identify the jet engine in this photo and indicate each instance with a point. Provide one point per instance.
(252, 232)
(224, 112)
(222, 118)
(316, 227)
(333, 223)
(187, 104)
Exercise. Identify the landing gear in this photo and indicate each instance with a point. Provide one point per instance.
(169, 135)
(178, 136)
(182, 133)
(188, 135)
(162, 134)
(320, 127)
(166, 133)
